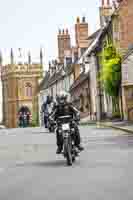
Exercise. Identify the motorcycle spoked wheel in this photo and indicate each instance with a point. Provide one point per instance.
(67, 151)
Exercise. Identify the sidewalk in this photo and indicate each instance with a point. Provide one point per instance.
(120, 125)
(87, 121)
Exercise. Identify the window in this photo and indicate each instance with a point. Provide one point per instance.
(28, 89)
(130, 93)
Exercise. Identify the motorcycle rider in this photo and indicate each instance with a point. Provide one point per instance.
(61, 108)
(46, 109)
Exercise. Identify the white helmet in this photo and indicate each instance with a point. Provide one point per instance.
(62, 97)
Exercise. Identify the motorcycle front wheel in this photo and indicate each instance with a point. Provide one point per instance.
(67, 148)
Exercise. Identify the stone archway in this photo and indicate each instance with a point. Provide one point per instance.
(24, 116)
(24, 109)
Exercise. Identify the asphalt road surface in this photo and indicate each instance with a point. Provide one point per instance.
(30, 169)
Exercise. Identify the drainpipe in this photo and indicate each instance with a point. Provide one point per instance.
(98, 88)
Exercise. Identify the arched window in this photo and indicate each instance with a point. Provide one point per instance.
(28, 89)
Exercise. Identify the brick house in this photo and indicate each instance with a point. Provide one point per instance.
(125, 24)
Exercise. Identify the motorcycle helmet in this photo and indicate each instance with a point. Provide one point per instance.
(62, 97)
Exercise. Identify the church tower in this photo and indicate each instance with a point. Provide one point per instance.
(20, 85)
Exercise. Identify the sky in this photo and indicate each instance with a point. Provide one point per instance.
(31, 24)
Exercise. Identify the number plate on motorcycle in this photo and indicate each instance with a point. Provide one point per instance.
(65, 127)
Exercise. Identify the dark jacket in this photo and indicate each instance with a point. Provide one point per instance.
(63, 110)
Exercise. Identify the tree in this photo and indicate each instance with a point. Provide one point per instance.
(110, 75)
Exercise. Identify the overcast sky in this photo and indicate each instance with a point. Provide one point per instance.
(29, 24)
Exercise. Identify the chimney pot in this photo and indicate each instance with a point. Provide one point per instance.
(67, 31)
(83, 19)
(78, 20)
(108, 2)
(59, 32)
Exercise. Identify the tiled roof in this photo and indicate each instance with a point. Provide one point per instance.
(69, 69)
(94, 35)
(83, 76)
(44, 82)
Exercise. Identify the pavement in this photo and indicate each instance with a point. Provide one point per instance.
(30, 169)
(125, 126)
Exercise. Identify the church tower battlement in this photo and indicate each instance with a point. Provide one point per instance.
(19, 68)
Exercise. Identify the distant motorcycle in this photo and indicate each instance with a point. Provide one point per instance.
(65, 128)
(51, 125)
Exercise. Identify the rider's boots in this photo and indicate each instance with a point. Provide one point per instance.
(80, 148)
(59, 150)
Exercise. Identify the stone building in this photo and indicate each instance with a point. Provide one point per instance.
(86, 91)
(19, 86)
(54, 81)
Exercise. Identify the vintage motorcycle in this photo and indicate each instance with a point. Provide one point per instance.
(65, 127)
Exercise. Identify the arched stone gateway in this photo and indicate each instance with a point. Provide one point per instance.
(24, 109)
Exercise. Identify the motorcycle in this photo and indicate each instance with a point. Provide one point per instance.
(51, 125)
(68, 132)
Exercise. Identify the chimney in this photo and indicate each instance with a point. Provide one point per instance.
(81, 33)
(108, 3)
(64, 43)
(105, 12)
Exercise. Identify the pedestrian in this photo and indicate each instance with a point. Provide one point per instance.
(28, 118)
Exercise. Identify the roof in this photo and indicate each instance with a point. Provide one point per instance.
(129, 52)
(82, 77)
(96, 42)
(44, 82)
(93, 46)
(94, 35)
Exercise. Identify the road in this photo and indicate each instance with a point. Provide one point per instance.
(30, 169)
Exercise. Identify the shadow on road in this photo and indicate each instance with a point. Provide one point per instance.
(46, 164)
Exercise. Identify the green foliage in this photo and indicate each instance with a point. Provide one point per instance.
(111, 71)
(110, 74)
